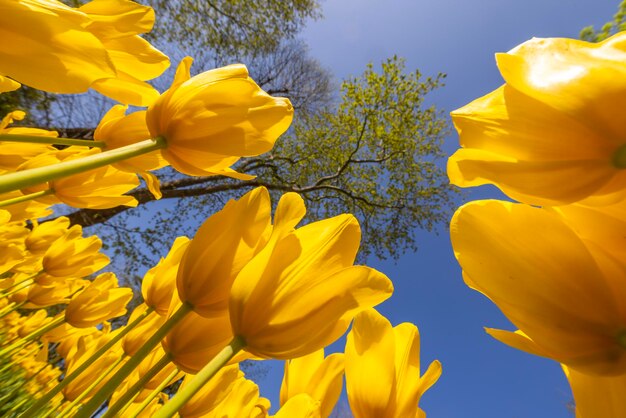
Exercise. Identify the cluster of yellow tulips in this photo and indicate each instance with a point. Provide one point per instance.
(249, 285)
(553, 138)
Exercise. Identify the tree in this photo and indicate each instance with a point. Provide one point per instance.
(374, 154)
(610, 28)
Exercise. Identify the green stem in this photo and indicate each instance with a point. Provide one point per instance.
(34, 176)
(130, 393)
(51, 140)
(104, 392)
(43, 401)
(89, 388)
(25, 198)
(203, 376)
(154, 394)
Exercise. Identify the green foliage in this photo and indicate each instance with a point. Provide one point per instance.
(375, 155)
(618, 24)
(227, 29)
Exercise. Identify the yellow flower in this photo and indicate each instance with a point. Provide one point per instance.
(195, 340)
(159, 283)
(211, 120)
(53, 294)
(301, 291)
(552, 134)
(101, 188)
(383, 368)
(301, 406)
(116, 129)
(222, 246)
(319, 377)
(211, 394)
(93, 46)
(73, 255)
(44, 234)
(566, 295)
(136, 338)
(48, 34)
(13, 154)
(99, 302)
(117, 24)
(597, 396)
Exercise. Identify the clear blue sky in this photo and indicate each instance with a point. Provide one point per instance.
(481, 377)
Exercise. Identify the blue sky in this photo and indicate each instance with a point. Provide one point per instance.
(482, 378)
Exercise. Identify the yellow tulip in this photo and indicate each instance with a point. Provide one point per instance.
(212, 119)
(136, 338)
(48, 34)
(211, 394)
(552, 134)
(95, 46)
(319, 377)
(41, 296)
(13, 154)
(95, 369)
(116, 23)
(383, 368)
(300, 406)
(101, 188)
(567, 296)
(597, 396)
(222, 246)
(99, 302)
(195, 340)
(73, 255)
(44, 234)
(159, 283)
(239, 402)
(116, 129)
(27, 210)
(301, 291)
(33, 322)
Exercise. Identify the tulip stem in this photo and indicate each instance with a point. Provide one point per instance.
(130, 393)
(34, 176)
(98, 399)
(43, 401)
(203, 376)
(51, 140)
(25, 198)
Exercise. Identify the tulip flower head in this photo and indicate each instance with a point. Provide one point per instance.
(383, 368)
(100, 301)
(211, 120)
(552, 135)
(566, 295)
(301, 291)
(321, 378)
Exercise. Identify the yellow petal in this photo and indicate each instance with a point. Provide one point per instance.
(6, 84)
(369, 360)
(534, 274)
(597, 397)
